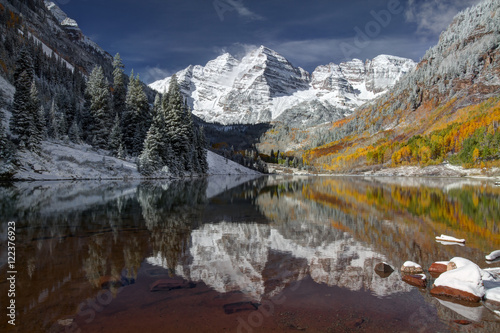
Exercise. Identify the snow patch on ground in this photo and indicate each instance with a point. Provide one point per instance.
(73, 161)
(218, 165)
(6, 89)
(58, 161)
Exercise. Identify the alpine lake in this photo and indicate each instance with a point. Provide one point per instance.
(241, 254)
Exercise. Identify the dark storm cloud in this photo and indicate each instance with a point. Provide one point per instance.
(158, 37)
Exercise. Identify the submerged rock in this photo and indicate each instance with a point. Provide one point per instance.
(108, 282)
(239, 306)
(383, 267)
(417, 280)
(169, 284)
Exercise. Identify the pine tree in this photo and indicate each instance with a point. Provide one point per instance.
(21, 118)
(202, 151)
(119, 86)
(122, 153)
(7, 152)
(37, 125)
(136, 117)
(174, 126)
(97, 93)
(3, 137)
(189, 146)
(116, 137)
(54, 130)
(75, 133)
(157, 106)
(150, 160)
(24, 64)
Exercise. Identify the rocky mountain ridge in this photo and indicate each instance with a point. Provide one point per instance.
(264, 86)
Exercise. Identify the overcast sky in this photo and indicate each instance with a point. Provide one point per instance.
(159, 37)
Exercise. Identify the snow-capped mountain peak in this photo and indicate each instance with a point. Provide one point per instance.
(264, 86)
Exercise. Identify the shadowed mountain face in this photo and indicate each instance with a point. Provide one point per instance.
(241, 241)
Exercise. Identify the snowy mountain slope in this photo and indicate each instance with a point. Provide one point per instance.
(59, 34)
(263, 86)
(71, 27)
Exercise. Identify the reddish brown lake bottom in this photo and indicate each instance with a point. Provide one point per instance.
(303, 306)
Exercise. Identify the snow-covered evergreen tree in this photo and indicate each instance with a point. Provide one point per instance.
(21, 118)
(116, 137)
(150, 161)
(37, 120)
(174, 126)
(172, 145)
(75, 132)
(202, 151)
(54, 128)
(119, 86)
(136, 117)
(100, 106)
(7, 152)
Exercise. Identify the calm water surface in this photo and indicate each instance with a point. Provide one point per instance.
(280, 254)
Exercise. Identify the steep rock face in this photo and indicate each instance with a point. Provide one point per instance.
(70, 27)
(264, 86)
(384, 70)
(59, 35)
(464, 65)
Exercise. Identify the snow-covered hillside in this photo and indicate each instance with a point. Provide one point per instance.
(71, 161)
(264, 86)
(218, 165)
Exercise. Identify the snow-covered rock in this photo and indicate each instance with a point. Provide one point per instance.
(446, 238)
(411, 267)
(493, 255)
(493, 294)
(264, 86)
(465, 282)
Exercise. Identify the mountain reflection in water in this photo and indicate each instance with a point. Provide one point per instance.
(257, 237)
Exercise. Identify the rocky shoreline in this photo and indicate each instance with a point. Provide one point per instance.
(441, 170)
